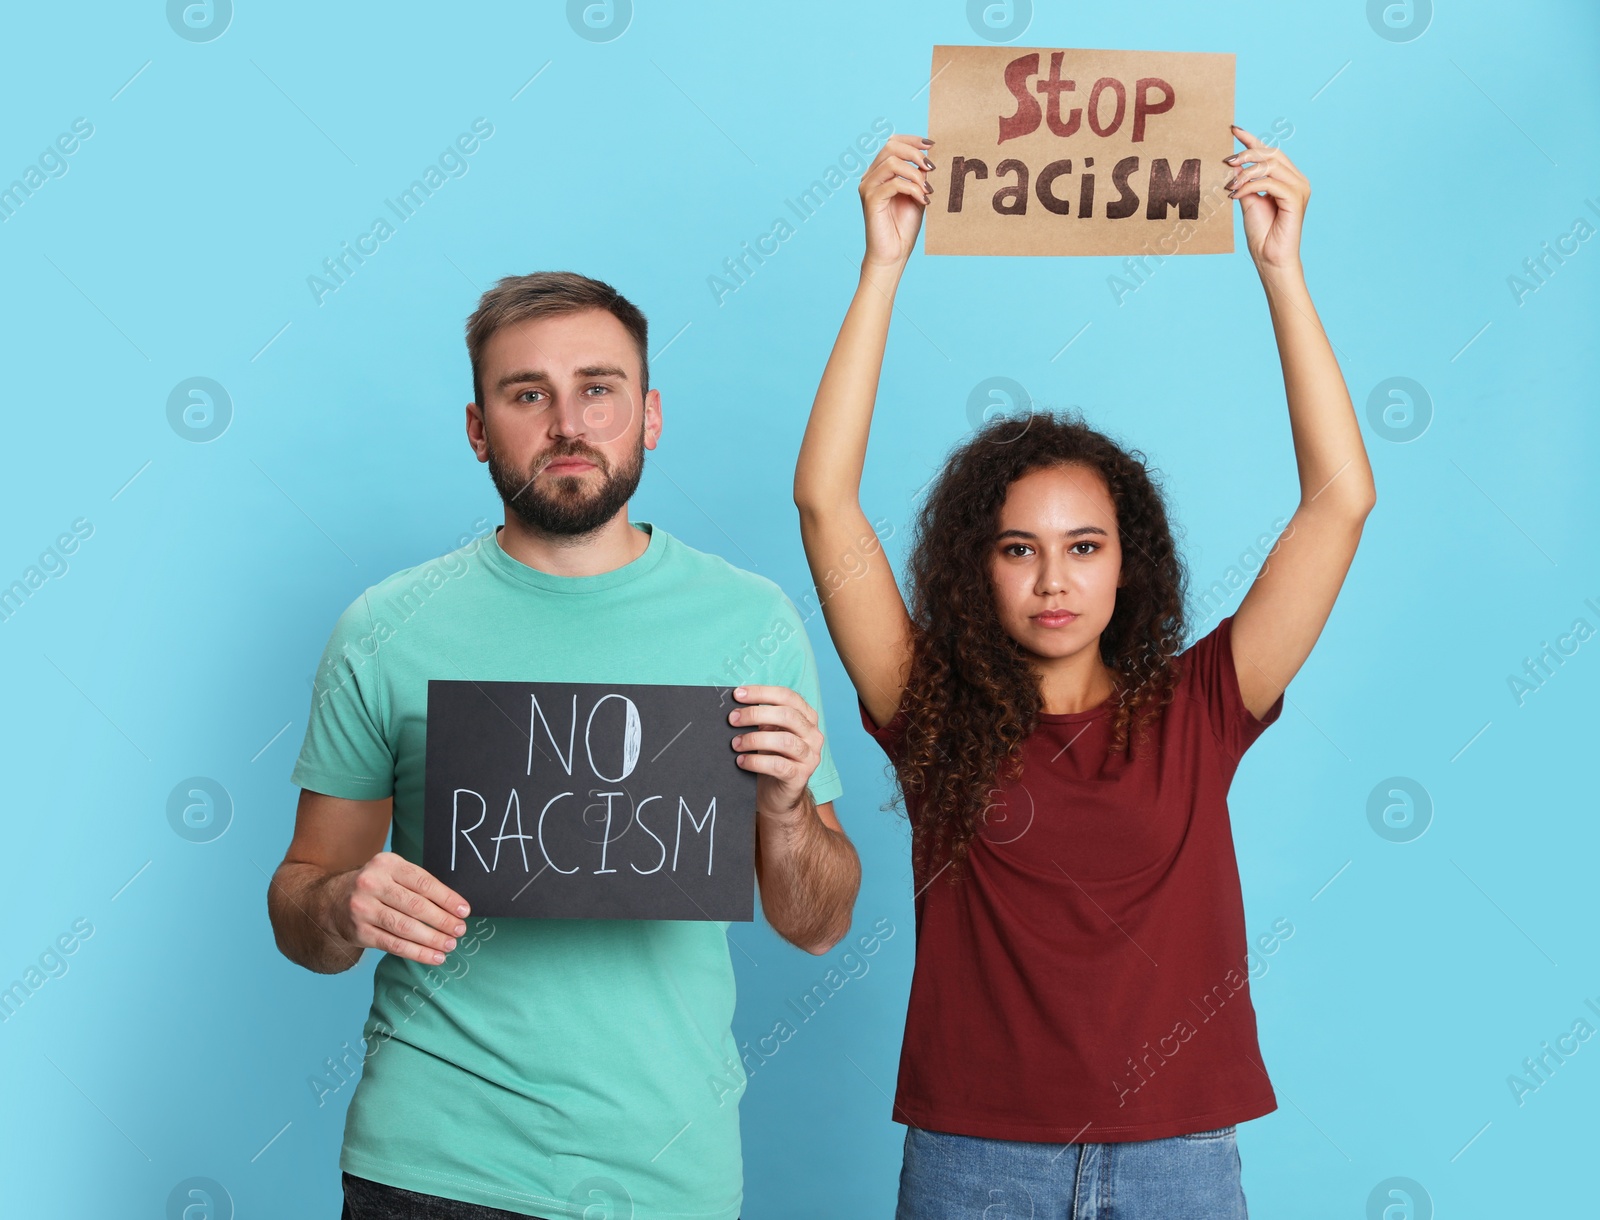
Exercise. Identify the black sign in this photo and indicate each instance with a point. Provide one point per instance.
(588, 801)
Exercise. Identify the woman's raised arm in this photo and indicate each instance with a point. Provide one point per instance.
(865, 612)
(1290, 599)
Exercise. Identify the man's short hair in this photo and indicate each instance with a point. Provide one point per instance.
(545, 294)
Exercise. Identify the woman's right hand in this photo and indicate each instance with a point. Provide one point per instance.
(894, 190)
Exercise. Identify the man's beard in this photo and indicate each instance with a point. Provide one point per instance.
(559, 505)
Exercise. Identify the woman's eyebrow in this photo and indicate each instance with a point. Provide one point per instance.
(1076, 532)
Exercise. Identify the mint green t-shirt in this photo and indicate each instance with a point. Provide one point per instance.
(548, 1065)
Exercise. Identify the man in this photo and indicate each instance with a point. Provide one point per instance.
(545, 1067)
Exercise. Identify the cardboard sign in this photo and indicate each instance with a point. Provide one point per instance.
(584, 801)
(1046, 151)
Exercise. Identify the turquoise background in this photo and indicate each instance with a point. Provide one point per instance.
(181, 638)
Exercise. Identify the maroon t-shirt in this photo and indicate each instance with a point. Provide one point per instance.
(1084, 980)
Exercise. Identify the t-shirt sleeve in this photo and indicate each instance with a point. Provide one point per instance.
(888, 736)
(794, 665)
(1216, 684)
(345, 752)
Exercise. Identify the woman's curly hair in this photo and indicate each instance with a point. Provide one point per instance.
(971, 697)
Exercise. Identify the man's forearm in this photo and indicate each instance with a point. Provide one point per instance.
(810, 875)
(298, 905)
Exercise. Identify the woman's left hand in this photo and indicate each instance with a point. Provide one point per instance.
(1272, 219)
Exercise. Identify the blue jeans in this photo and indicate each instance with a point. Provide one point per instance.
(963, 1177)
(365, 1199)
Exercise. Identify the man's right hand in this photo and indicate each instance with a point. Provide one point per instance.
(392, 904)
(338, 892)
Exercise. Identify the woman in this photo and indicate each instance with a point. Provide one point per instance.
(1080, 1027)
